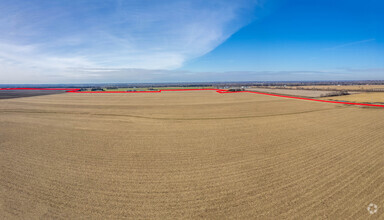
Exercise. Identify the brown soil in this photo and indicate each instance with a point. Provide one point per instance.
(188, 155)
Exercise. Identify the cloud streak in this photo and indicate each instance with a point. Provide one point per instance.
(135, 75)
(350, 44)
(56, 36)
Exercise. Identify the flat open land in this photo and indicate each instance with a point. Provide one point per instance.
(292, 92)
(196, 154)
(156, 88)
(10, 94)
(368, 97)
(345, 87)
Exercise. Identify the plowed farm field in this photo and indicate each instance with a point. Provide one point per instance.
(190, 154)
(368, 97)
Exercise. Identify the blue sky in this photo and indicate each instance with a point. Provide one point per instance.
(52, 41)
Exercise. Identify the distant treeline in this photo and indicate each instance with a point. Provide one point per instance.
(195, 84)
(335, 93)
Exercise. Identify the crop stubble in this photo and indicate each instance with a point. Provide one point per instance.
(188, 155)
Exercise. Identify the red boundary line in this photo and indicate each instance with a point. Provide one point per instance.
(221, 91)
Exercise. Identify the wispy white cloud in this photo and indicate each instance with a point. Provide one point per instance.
(147, 76)
(135, 75)
(350, 44)
(57, 36)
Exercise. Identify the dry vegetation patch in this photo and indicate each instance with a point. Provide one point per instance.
(368, 97)
(293, 92)
(346, 87)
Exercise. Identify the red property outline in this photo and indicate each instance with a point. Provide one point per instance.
(221, 91)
